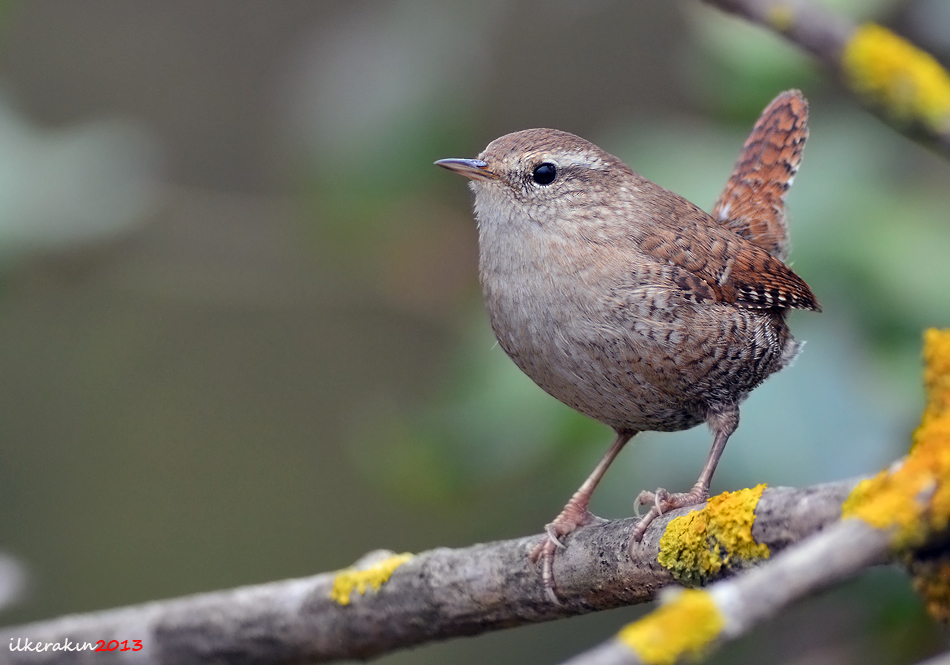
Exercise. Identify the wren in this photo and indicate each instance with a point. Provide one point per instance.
(630, 304)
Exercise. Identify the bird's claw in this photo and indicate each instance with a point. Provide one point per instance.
(544, 551)
(663, 502)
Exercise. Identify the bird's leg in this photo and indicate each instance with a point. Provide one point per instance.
(574, 515)
(722, 420)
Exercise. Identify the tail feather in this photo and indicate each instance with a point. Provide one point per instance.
(753, 203)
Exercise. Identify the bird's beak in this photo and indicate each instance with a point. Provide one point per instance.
(475, 169)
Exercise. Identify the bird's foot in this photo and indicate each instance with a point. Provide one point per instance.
(571, 518)
(664, 502)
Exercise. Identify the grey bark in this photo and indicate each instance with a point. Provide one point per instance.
(439, 594)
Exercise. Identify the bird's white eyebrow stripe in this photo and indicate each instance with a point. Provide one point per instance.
(565, 160)
(579, 160)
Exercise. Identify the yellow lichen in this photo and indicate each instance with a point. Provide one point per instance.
(890, 71)
(683, 627)
(936, 374)
(913, 497)
(375, 576)
(932, 581)
(696, 546)
(780, 17)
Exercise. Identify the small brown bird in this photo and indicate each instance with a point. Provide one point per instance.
(627, 302)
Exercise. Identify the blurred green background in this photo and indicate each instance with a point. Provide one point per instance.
(241, 335)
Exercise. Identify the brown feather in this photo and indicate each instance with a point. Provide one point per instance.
(753, 203)
(720, 265)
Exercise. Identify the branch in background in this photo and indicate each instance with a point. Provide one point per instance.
(902, 512)
(13, 580)
(692, 622)
(942, 659)
(435, 595)
(903, 84)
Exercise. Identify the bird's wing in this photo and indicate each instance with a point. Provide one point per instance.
(715, 264)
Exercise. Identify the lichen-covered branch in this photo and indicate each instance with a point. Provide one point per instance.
(900, 513)
(903, 84)
(443, 593)
(693, 622)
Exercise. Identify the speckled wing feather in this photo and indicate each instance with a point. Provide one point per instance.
(716, 265)
(753, 203)
(759, 280)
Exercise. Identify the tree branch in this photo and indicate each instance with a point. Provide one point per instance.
(825, 559)
(13, 580)
(941, 659)
(902, 84)
(435, 595)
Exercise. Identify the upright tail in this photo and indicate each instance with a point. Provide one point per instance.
(753, 203)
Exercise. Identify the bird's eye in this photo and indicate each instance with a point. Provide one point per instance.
(544, 174)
